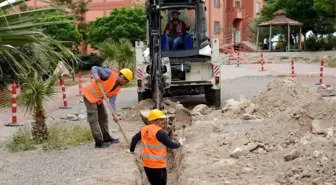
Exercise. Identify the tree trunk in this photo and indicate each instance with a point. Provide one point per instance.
(40, 131)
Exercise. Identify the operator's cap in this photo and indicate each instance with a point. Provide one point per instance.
(156, 114)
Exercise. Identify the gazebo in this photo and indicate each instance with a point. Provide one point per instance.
(280, 19)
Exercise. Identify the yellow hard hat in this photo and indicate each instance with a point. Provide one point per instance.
(156, 114)
(128, 74)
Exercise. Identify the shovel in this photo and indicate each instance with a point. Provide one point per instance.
(113, 113)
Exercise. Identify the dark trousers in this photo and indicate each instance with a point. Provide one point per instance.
(156, 176)
(98, 119)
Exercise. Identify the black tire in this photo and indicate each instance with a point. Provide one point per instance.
(140, 96)
(213, 96)
(217, 98)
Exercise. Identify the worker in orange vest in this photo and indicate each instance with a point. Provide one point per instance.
(93, 97)
(154, 151)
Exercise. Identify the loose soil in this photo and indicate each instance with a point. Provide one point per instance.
(276, 140)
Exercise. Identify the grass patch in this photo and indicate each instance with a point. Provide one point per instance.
(22, 141)
(284, 57)
(330, 62)
(282, 75)
(60, 137)
(63, 136)
(300, 58)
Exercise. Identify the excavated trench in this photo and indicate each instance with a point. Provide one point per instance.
(179, 118)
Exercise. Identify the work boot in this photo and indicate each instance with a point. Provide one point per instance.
(103, 144)
(113, 140)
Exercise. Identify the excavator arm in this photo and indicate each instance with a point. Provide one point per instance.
(154, 24)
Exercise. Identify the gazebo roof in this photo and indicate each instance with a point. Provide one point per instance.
(280, 19)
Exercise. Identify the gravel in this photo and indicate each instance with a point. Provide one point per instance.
(67, 166)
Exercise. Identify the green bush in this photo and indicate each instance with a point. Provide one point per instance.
(329, 43)
(314, 44)
(90, 60)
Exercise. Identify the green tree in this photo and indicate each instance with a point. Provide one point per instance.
(120, 52)
(129, 23)
(67, 32)
(328, 7)
(36, 92)
(78, 10)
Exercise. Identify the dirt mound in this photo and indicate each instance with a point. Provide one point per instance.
(286, 96)
(282, 94)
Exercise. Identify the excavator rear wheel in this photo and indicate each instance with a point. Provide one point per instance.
(213, 96)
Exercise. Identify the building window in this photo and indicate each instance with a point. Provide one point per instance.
(257, 7)
(237, 3)
(216, 3)
(217, 27)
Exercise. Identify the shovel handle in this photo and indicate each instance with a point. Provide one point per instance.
(113, 113)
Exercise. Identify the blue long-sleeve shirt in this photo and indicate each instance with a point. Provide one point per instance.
(161, 135)
(104, 74)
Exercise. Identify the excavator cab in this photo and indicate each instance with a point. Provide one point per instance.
(192, 24)
(178, 29)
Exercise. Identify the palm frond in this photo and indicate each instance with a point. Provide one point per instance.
(23, 28)
(36, 91)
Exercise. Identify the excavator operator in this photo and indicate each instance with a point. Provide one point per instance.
(176, 29)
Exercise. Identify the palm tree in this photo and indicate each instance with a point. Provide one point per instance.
(36, 92)
(22, 28)
(121, 52)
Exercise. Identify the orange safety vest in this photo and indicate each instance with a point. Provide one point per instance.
(154, 152)
(179, 27)
(93, 93)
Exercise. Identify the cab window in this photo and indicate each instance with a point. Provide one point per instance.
(178, 29)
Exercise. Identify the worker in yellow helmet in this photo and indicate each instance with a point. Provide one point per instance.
(93, 97)
(154, 151)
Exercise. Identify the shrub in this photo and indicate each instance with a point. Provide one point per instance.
(90, 60)
(328, 43)
(314, 44)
